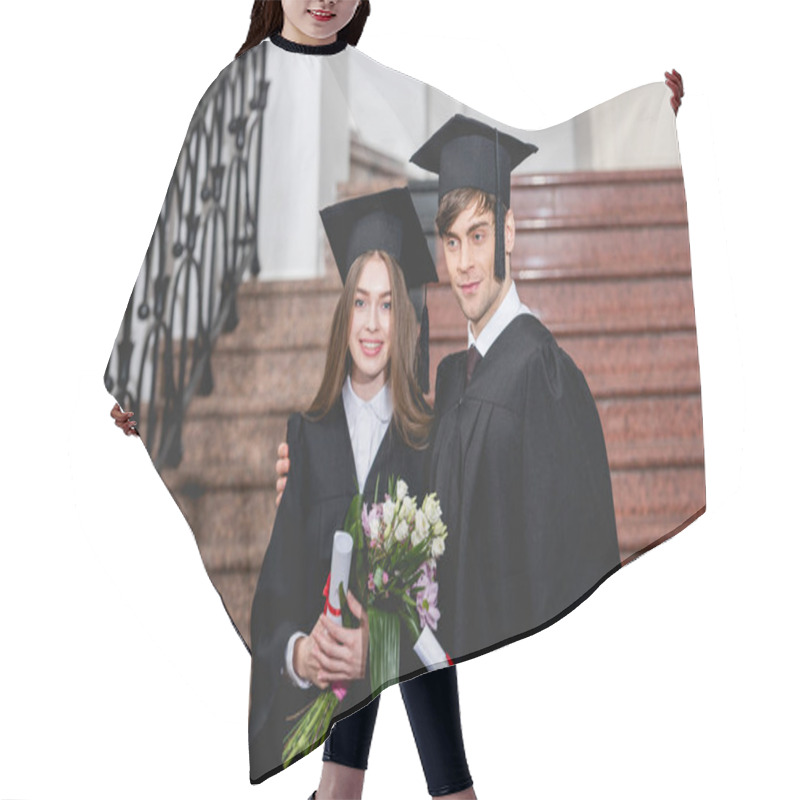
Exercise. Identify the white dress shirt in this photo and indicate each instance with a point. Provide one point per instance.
(367, 422)
(509, 309)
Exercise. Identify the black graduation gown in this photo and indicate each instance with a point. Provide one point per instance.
(320, 487)
(519, 462)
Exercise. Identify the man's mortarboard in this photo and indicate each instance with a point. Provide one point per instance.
(466, 153)
(384, 221)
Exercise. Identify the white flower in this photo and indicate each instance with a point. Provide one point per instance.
(432, 509)
(407, 509)
(437, 546)
(388, 511)
(439, 528)
(402, 490)
(417, 536)
(421, 524)
(401, 532)
(374, 527)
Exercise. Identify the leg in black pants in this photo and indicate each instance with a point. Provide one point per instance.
(431, 702)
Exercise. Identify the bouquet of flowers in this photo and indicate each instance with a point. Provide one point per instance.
(401, 543)
(396, 545)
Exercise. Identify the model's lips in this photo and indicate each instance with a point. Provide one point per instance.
(469, 288)
(370, 348)
(322, 16)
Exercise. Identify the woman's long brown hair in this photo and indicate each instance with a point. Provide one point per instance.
(411, 416)
(266, 18)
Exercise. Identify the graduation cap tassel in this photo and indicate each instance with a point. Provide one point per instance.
(499, 224)
(423, 354)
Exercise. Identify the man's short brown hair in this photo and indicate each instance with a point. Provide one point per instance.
(457, 200)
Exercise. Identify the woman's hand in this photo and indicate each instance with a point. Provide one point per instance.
(675, 83)
(282, 469)
(305, 661)
(334, 653)
(124, 420)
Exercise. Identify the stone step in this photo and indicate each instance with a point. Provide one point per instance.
(637, 534)
(283, 314)
(654, 197)
(257, 380)
(232, 524)
(658, 492)
(229, 441)
(635, 364)
(652, 431)
(541, 254)
(598, 307)
(652, 503)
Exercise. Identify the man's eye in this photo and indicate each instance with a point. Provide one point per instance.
(479, 236)
(450, 244)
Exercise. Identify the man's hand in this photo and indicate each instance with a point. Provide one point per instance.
(334, 653)
(675, 83)
(282, 469)
(124, 420)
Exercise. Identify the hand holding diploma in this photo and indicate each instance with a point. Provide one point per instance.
(333, 653)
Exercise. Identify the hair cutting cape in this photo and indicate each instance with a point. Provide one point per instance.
(575, 445)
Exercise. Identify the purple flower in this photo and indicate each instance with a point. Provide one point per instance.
(427, 599)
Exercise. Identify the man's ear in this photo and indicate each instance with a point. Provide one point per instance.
(511, 230)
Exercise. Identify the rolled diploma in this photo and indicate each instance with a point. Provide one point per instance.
(341, 556)
(429, 651)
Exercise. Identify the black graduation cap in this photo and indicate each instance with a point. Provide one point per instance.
(384, 221)
(470, 154)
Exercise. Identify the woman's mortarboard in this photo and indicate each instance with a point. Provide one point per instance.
(384, 221)
(466, 153)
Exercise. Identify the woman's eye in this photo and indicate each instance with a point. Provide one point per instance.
(387, 306)
(359, 303)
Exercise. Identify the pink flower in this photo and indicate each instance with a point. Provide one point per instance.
(371, 582)
(427, 599)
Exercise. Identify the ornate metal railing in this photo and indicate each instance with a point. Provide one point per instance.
(204, 241)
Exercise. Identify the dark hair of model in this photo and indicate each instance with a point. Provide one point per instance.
(458, 200)
(411, 416)
(266, 19)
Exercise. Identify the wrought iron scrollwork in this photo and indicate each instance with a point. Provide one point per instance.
(204, 241)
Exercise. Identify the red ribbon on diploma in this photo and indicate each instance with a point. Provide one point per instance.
(336, 612)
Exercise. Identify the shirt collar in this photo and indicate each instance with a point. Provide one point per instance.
(380, 405)
(508, 309)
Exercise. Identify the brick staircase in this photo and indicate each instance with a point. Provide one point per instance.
(601, 258)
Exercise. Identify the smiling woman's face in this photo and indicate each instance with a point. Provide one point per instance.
(315, 22)
(371, 328)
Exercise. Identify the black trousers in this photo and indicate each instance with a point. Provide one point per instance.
(432, 706)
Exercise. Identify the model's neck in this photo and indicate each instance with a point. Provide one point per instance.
(315, 48)
(366, 389)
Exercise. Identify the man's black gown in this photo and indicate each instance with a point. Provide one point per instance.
(519, 462)
(320, 487)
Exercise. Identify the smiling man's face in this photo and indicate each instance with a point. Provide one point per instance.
(469, 255)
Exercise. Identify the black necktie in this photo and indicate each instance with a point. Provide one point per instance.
(473, 357)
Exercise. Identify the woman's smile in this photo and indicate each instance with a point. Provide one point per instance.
(322, 16)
